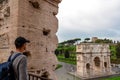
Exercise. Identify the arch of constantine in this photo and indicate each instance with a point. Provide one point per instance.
(35, 20)
(93, 60)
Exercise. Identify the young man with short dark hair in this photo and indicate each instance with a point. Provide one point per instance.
(20, 63)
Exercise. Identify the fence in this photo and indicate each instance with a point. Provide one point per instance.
(32, 76)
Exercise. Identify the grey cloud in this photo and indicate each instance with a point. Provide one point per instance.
(101, 21)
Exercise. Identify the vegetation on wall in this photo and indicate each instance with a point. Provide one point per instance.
(103, 41)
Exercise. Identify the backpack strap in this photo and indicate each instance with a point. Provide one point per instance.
(12, 59)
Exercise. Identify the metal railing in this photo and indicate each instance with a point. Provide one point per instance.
(32, 76)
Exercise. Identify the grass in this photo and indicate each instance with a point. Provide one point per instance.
(113, 78)
(71, 60)
(115, 61)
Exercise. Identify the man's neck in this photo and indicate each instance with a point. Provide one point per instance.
(19, 50)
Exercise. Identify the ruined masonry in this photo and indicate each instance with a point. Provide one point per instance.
(93, 60)
(36, 20)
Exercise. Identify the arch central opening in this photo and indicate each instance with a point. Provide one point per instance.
(97, 61)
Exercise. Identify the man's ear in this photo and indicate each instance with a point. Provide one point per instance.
(24, 44)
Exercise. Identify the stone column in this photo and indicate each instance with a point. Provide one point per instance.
(102, 65)
(109, 64)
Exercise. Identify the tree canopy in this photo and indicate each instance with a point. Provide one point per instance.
(70, 42)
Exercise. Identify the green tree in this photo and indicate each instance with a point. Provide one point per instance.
(77, 39)
(118, 50)
(113, 52)
(87, 39)
(103, 41)
(70, 42)
(66, 54)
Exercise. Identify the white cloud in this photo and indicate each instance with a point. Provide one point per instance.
(88, 16)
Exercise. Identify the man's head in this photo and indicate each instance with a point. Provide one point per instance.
(20, 43)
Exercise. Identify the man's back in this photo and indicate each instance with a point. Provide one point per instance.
(20, 65)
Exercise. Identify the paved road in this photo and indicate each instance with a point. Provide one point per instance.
(62, 73)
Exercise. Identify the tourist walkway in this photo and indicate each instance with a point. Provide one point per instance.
(62, 73)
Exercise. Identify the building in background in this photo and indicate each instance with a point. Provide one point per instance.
(94, 39)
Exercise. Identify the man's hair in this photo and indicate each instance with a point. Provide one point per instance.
(20, 41)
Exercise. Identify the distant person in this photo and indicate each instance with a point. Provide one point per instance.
(20, 63)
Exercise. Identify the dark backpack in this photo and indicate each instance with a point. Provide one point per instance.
(6, 69)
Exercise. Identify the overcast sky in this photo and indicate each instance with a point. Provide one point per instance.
(89, 18)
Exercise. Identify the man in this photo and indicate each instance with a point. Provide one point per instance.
(20, 63)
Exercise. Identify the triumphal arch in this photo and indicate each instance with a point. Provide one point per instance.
(35, 20)
(93, 60)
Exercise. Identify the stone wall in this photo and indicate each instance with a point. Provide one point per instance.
(36, 20)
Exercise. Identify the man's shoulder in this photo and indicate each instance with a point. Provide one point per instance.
(22, 56)
(19, 58)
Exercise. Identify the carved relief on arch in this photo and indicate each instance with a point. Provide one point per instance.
(4, 41)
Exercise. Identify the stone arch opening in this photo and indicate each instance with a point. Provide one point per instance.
(105, 64)
(88, 68)
(97, 61)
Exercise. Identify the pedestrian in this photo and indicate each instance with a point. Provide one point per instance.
(20, 63)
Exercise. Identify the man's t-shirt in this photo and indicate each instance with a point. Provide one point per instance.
(21, 63)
